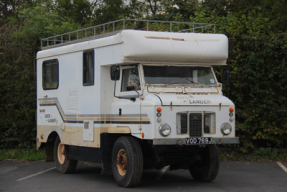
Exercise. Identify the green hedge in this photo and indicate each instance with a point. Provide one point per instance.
(259, 89)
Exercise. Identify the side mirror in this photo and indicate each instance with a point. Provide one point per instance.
(225, 76)
(115, 72)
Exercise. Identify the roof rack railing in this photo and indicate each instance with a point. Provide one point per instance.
(111, 28)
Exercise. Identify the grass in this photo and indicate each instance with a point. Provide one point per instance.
(262, 154)
(22, 154)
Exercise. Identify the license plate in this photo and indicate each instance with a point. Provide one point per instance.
(198, 140)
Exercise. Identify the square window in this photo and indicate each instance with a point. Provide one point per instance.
(130, 80)
(88, 68)
(50, 74)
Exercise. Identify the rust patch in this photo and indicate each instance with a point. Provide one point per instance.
(177, 39)
(153, 37)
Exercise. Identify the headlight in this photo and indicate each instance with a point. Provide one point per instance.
(226, 128)
(164, 129)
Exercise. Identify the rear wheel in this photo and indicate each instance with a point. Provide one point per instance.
(206, 169)
(63, 164)
(127, 161)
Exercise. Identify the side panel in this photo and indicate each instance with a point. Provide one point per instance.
(86, 154)
(66, 109)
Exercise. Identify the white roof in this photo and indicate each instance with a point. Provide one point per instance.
(156, 47)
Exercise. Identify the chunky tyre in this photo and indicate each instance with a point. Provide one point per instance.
(206, 169)
(63, 164)
(127, 161)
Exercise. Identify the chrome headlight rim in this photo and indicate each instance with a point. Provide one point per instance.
(164, 130)
(225, 127)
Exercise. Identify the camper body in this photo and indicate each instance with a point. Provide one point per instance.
(135, 100)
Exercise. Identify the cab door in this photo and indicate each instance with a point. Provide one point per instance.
(126, 106)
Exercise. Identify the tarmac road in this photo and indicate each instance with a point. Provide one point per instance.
(233, 176)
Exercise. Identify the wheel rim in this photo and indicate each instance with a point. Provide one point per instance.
(61, 153)
(122, 162)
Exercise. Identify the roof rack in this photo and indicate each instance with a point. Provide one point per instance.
(114, 27)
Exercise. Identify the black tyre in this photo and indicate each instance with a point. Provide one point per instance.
(127, 161)
(63, 164)
(206, 169)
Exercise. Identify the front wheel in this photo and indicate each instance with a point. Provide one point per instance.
(127, 161)
(63, 164)
(206, 169)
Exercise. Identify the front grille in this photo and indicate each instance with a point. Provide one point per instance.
(189, 123)
(195, 124)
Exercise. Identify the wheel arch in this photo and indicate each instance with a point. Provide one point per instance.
(49, 147)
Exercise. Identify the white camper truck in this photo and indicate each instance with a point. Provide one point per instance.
(129, 100)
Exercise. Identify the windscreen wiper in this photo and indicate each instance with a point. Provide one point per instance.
(194, 82)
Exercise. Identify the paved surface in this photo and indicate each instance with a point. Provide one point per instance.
(233, 176)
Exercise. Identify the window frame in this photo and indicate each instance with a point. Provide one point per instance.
(128, 93)
(43, 79)
(83, 65)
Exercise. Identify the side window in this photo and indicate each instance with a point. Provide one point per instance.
(130, 80)
(50, 74)
(88, 67)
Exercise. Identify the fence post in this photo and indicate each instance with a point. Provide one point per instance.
(147, 25)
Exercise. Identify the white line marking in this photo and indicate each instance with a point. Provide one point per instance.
(35, 174)
(162, 171)
(282, 166)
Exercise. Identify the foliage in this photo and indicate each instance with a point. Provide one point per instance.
(79, 11)
(259, 72)
(19, 40)
(17, 101)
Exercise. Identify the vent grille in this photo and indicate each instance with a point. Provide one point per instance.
(183, 123)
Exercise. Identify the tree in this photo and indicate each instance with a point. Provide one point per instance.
(79, 11)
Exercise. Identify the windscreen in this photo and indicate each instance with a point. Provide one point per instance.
(178, 75)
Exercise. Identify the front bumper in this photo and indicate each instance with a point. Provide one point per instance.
(221, 140)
